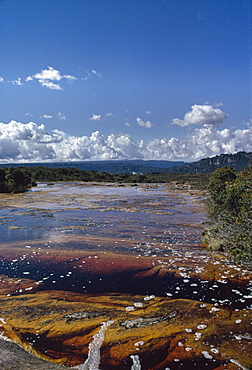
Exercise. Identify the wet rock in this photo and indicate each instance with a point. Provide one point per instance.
(140, 322)
(213, 242)
(128, 324)
(159, 331)
(82, 315)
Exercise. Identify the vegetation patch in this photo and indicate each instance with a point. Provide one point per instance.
(231, 213)
(19, 179)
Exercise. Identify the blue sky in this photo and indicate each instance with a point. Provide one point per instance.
(95, 79)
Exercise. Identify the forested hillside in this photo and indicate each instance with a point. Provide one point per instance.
(238, 161)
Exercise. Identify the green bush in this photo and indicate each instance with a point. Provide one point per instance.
(231, 211)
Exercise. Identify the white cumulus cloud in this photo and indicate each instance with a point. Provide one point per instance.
(146, 124)
(95, 117)
(47, 78)
(201, 115)
(48, 74)
(206, 141)
(52, 78)
(31, 142)
(69, 77)
(50, 85)
(98, 117)
(17, 82)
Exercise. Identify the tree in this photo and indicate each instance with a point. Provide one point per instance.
(17, 180)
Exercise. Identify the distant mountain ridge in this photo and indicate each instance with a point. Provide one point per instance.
(138, 166)
(237, 161)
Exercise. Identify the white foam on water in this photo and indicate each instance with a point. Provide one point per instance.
(93, 360)
(238, 364)
(136, 362)
(3, 337)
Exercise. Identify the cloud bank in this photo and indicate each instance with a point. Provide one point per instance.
(30, 142)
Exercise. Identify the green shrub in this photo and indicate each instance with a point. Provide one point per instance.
(231, 211)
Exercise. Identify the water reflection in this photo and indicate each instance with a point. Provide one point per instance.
(47, 219)
(130, 211)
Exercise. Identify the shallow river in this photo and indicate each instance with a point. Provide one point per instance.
(134, 248)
